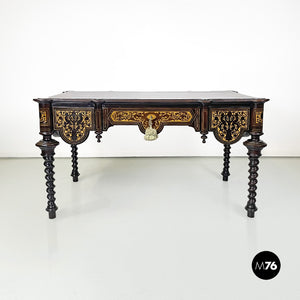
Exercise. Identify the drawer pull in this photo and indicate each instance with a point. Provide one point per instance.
(150, 132)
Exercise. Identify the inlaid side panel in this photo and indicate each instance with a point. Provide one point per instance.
(73, 124)
(229, 124)
(159, 117)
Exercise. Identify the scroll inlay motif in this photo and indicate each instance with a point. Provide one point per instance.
(43, 117)
(259, 117)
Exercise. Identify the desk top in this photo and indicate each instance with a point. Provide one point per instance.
(189, 96)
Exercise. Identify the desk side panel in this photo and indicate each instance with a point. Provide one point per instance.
(73, 123)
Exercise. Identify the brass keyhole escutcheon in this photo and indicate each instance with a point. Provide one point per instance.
(151, 116)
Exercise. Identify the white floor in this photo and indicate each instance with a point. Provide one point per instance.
(147, 228)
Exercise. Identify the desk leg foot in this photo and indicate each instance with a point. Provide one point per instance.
(52, 214)
(47, 145)
(251, 212)
(225, 172)
(254, 145)
(75, 174)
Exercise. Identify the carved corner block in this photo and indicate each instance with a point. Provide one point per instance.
(73, 124)
(45, 118)
(257, 119)
(229, 124)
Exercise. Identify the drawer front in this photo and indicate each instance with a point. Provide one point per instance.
(73, 123)
(229, 124)
(159, 117)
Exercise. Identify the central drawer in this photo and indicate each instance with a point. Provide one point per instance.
(159, 116)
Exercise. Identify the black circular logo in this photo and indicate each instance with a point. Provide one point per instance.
(266, 265)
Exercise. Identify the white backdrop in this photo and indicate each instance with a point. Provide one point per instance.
(55, 45)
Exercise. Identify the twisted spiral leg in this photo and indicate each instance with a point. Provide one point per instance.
(75, 172)
(254, 146)
(225, 172)
(251, 207)
(51, 207)
(47, 145)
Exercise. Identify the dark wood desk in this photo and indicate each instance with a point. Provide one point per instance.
(228, 114)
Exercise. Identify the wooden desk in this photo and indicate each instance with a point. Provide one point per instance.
(228, 114)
